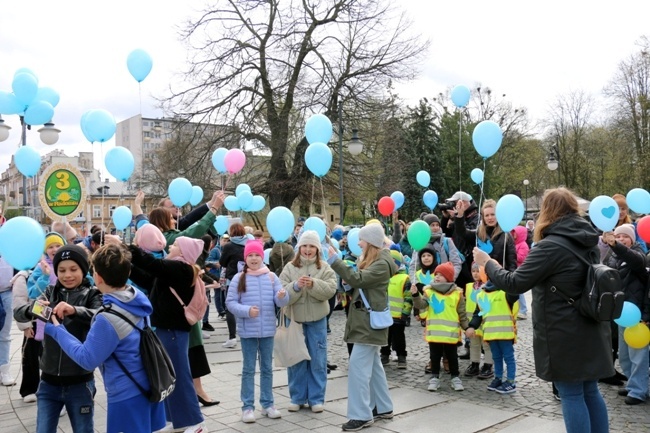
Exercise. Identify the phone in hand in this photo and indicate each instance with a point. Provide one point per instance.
(41, 311)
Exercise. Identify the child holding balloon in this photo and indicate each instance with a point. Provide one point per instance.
(476, 342)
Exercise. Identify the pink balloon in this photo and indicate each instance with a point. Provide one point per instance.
(234, 160)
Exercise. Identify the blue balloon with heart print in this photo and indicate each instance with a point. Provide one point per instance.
(604, 212)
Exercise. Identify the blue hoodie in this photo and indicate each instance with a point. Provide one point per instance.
(110, 335)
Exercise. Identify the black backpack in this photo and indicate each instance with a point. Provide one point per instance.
(158, 366)
(602, 296)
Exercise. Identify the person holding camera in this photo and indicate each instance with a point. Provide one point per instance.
(461, 208)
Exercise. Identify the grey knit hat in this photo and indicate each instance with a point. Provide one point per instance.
(310, 237)
(431, 218)
(373, 234)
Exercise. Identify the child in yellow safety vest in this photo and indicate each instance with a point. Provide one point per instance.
(443, 306)
(400, 305)
(477, 343)
(495, 311)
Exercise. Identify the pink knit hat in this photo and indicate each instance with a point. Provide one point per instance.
(191, 249)
(150, 238)
(253, 246)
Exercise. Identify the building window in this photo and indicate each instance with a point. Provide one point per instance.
(145, 123)
(97, 211)
(111, 210)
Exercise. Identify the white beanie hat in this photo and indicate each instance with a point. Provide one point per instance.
(310, 237)
(373, 234)
(626, 229)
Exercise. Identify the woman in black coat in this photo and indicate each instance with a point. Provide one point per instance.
(571, 350)
(231, 254)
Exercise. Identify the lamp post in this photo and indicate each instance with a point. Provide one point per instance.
(553, 162)
(526, 182)
(355, 147)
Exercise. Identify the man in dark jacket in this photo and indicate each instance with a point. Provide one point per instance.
(467, 210)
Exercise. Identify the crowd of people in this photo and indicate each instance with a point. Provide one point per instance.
(464, 287)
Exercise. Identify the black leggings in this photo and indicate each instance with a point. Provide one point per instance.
(436, 350)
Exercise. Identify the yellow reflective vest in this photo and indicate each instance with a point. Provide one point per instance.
(470, 305)
(498, 322)
(396, 295)
(443, 327)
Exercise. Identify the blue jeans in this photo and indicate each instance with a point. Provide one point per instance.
(220, 301)
(523, 308)
(250, 348)
(307, 379)
(583, 407)
(77, 399)
(367, 385)
(5, 337)
(503, 350)
(634, 363)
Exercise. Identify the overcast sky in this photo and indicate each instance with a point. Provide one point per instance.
(531, 51)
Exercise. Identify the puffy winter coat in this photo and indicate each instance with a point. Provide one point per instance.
(309, 305)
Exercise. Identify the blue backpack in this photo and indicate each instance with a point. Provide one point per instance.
(445, 245)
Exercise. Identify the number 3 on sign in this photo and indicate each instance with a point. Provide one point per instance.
(64, 180)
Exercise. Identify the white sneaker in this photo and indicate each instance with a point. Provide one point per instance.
(462, 351)
(457, 384)
(294, 407)
(205, 335)
(272, 412)
(317, 408)
(199, 428)
(229, 344)
(248, 416)
(434, 384)
(7, 379)
(30, 398)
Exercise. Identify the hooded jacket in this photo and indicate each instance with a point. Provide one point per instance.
(567, 346)
(521, 244)
(309, 305)
(110, 335)
(231, 254)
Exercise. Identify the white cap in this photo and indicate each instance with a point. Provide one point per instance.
(460, 195)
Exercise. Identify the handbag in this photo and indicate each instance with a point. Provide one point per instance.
(289, 347)
(378, 319)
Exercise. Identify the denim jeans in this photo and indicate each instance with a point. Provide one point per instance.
(250, 348)
(220, 301)
(5, 337)
(523, 308)
(367, 385)
(503, 350)
(583, 407)
(307, 379)
(77, 399)
(634, 363)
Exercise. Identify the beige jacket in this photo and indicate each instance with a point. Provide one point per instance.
(309, 305)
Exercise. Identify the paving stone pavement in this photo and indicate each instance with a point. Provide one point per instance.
(531, 409)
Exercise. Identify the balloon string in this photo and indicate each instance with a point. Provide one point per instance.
(460, 130)
(480, 200)
(322, 191)
(227, 180)
(311, 204)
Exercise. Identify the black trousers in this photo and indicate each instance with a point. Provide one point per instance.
(396, 340)
(31, 371)
(436, 350)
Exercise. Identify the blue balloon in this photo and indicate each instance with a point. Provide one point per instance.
(218, 160)
(241, 188)
(232, 203)
(84, 127)
(316, 224)
(197, 195)
(477, 176)
(139, 64)
(353, 242)
(398, 199)
(27, 160)
(318, 129)
(280, 223)
(27, 71)
(120, 163)
(430, 199)
(48, 94)
(604, 212)
(638, 200)
(38, 113)
(180, 191)
(221, 224)
(509, 212)
(25, 87)
(258, 204)
(335, 244)
(245, 199)
(318, 158)
(122, 217)
(100, 125)
(9, 104)
(267, 256)
(630, 316)
(423, 178)
(487, 138)
(22, 242)
(460, 96)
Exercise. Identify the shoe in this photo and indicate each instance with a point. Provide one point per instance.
(557, 397)
(407, 322)
(472, 370)
(506, 387)
(462, 351)
(222, 317)
(428, 368)
(486, 372)
(332, 366)
(623, 392)
(207, 327)
(612, 380)
(5, 376)
(522, 316)
(229, 344)
(356, 425)
(294, 407)
(434, 384)
(620, 375)
(205, 335)
(168, 427)
(248, 416)
(206, 402)
(384, 415)
(63, 412)
(401, 362)
(271, 412)
(631, 401)
(199, 428)
(496, 382)
(317, 408)
(457, 384)
(29, 398)
(384, 360)
(329, 331)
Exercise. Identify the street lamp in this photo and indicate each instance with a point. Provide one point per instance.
(526, 182)
(355, 147)
(554, 160)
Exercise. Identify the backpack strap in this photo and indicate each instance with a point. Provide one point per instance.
(555, 289)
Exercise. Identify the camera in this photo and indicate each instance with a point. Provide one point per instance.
(447, 205)
(41, 311)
